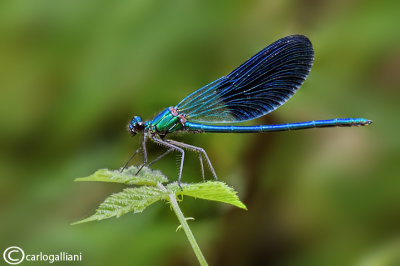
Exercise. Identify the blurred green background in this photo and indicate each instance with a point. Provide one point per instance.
(72, 74)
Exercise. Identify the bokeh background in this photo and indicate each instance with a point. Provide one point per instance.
(72, 74)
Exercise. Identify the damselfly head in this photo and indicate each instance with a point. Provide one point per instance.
(136, 126)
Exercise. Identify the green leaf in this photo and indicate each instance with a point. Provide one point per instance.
(210, 190)
(151, 190)
(130, 199)
(145, 177)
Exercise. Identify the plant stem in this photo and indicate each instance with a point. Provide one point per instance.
(188, 232)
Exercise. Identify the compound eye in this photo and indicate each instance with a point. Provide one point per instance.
(137, 119)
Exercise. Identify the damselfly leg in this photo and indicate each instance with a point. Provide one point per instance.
(144, 154)
(174, 147)
(200, 151)
(130, 159)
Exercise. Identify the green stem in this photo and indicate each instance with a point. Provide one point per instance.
(185, 226)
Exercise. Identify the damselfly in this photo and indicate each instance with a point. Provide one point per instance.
(256, 88)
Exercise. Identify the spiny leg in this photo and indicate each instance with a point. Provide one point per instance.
(130, 159)
(202, 167)
(144, 154)
(146, 163)
(169, 145)
(200, 158)
(159, 157)
(200, 151)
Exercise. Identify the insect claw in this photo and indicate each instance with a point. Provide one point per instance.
(179, 185)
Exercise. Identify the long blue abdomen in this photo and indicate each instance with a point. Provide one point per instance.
(339, 122)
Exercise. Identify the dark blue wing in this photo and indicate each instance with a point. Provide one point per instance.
(257, 87)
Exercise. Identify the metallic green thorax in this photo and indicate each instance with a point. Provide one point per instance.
(165, 122)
